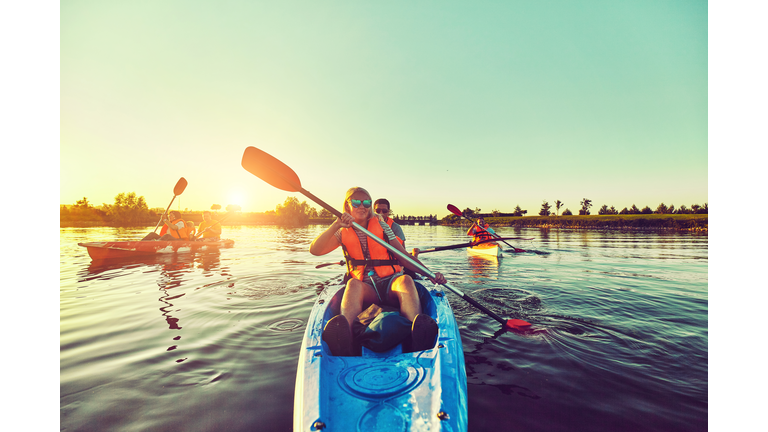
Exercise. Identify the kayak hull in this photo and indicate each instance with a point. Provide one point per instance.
(490, 248)
(128, 249)
(392, 391)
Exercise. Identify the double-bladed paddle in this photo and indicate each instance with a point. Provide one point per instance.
(463, 245)
(177, 190)
(455, 210)
(281, 176)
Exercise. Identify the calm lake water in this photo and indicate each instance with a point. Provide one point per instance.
(210, 341)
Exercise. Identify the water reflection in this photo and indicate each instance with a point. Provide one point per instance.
(483, 266)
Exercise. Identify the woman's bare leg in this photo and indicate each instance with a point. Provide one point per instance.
(404, 289)
(356, 296)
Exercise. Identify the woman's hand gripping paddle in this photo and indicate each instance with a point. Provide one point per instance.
(281, 176)
(177, 190)
(455, 210)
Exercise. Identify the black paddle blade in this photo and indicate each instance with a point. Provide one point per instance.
(270, 169)
(180, 186)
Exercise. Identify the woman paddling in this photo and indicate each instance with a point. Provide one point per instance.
(376, 276)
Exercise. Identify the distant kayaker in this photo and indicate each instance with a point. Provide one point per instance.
(175, 228)
(209, 229)
(480, 231)
(375, 275)
(382, 207)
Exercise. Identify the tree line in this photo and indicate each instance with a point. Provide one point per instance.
(128, 209)
(586, 204)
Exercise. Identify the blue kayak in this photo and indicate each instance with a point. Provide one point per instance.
(391, 391)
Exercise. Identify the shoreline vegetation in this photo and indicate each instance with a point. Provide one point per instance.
(130, 210)
(664, 222)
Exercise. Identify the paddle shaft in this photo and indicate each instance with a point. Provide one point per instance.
(164, 213)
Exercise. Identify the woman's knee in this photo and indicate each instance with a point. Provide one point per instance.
(404, 284)
(358, 290)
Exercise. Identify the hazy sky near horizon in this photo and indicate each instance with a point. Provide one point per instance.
(485, 105)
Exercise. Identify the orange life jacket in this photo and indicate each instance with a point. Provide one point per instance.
(384, 264)
(479, 235)
(179, 234)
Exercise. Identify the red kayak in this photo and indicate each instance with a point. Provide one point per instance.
(127, 249)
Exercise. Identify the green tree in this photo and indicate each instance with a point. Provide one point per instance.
(292, 213)
(646, 210)
(662, 209)
(215, 207)
(468, 212)
(624, 211)
(129, 209)
(567, 212)
(603, 210)
(495, 213)
(558, 204)
(233, 208)
(518, 211)
(634, 210)
(324, 213)
(545, 209)
(585, 205)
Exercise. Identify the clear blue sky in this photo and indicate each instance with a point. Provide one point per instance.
(485, 104)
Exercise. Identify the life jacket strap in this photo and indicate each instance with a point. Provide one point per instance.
(374, 263)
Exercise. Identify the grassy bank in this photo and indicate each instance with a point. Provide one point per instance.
(683, 222)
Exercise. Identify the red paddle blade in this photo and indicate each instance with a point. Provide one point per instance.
(455, 210)
(180, 186)
(516, 324)
(519, 250)
(270, 169)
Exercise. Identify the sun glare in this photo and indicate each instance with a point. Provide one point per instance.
(235, 198)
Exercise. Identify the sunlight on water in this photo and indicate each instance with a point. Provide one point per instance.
(210, 340)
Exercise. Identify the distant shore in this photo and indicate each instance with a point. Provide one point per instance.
(662, 222)
(676, 222)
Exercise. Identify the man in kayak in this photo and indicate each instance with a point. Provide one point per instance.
(381, 206)
(480, 231)
(376, 275)
(209, 229)
(175, 228)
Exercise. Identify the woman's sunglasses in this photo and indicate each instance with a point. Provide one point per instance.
(356, 203)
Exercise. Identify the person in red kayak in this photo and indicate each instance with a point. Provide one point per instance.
(175, 228)
(481, 231)
(375, 275)
(209, 229)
